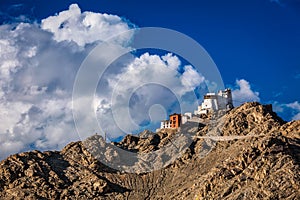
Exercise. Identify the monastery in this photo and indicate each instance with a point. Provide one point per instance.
(215, 101)
(212, 102)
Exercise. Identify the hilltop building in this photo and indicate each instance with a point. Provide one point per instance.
(173, 122)
(215, 101)
(186, 117)
(212, 102)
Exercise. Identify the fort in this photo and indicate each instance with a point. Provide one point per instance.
(174, 121)
(212, 102)
(215, 101)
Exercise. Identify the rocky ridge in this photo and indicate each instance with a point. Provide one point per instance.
(262, 163)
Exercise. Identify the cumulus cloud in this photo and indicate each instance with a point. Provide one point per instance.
(35, 92)
(296, 108)
(244, 93)
(85, 28)
(191, 78)
(289, 111)
(295, 105)
(147, 81)
(38, 65)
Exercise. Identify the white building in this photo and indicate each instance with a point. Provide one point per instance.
(165, 124)
(177, 121)
(215, 101)
(185, 117)
(212, 102)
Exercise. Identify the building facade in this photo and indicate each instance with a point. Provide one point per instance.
(173, 122)
(211, 102)
(185, 117)
(215, 101)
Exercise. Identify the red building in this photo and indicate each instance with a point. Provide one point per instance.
(175, 120)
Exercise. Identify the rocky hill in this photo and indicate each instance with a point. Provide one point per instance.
(250, 153)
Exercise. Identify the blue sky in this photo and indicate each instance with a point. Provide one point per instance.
(257, 40)
(255, 45)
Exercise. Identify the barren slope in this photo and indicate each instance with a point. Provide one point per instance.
(263, 165)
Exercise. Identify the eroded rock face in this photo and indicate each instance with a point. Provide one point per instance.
(264, 165)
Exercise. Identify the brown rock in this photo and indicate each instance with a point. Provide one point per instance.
(264, 165)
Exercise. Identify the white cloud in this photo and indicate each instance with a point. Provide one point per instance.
(296, 107)
(191, 78)
(297, 116)
(278, 107)
(244, 93)
(289, 111)
(85, 28)
(148, 80)
(38, 65)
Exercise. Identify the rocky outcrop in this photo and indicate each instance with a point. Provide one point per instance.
(262, 164)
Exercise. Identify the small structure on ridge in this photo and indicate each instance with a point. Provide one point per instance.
(215, 101)
(212, 102)
(173, 122)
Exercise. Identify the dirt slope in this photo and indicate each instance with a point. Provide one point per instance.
(263, 165)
